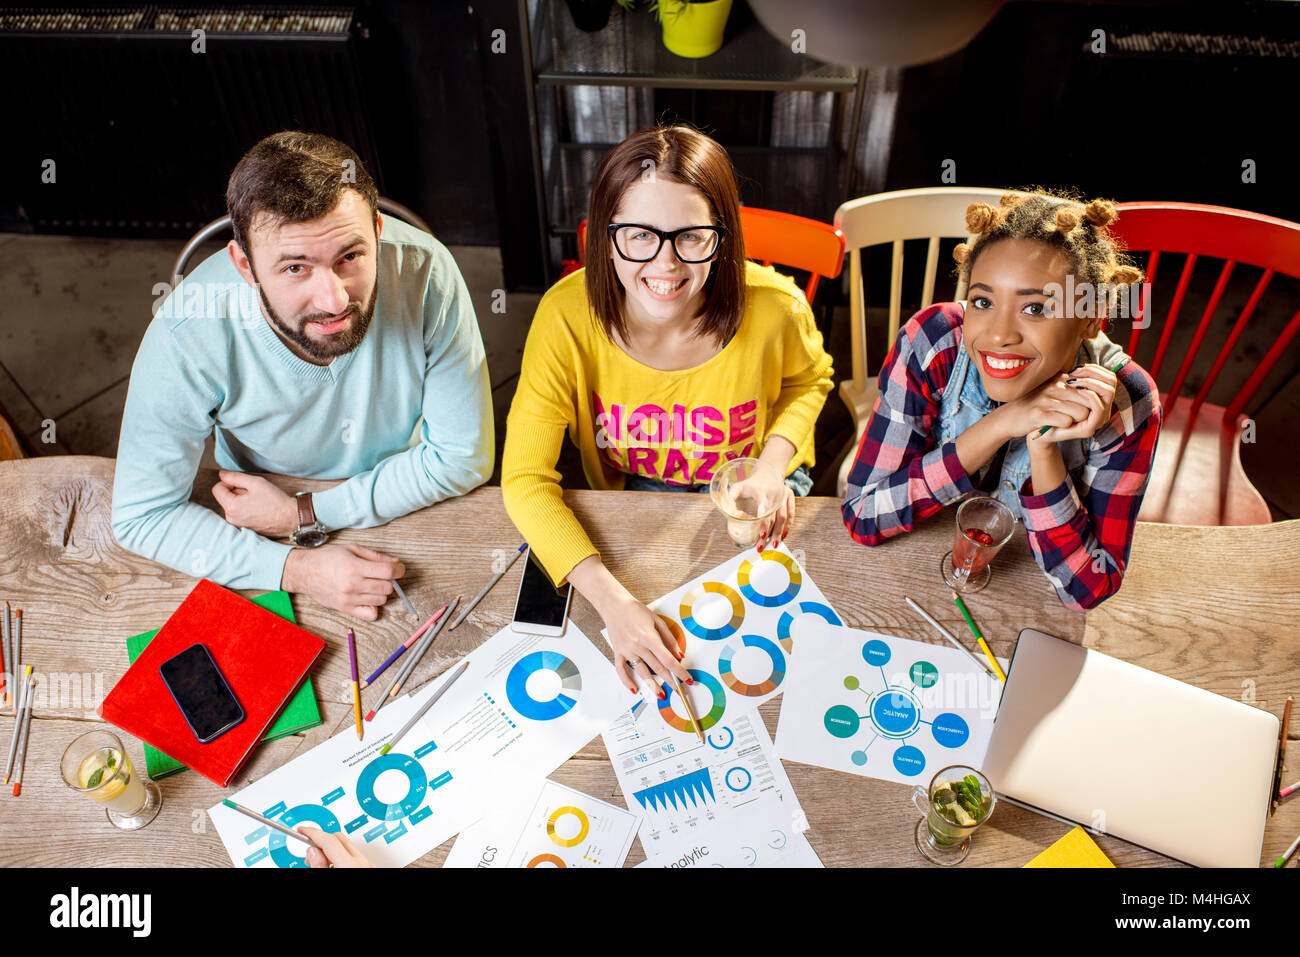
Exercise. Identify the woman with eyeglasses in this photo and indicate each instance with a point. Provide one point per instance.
(666, 356)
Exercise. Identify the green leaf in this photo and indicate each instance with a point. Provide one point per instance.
(111, 762)
(93, 781)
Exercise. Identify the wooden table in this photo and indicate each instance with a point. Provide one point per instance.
(1216, 607)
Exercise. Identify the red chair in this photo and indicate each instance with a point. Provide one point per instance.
(770, 237)
(1197, 477)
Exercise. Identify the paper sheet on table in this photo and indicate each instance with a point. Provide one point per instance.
(699, 794)
(758, 836)
(885, 707)
(740, 624)
(548, 826)
(525, 704)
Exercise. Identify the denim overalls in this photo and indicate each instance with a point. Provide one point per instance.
(965, 402)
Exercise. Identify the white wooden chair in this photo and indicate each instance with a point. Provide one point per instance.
(931, 213)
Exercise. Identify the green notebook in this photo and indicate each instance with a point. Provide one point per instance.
(298, 715)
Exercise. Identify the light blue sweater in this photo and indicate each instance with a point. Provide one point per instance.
(406, 417)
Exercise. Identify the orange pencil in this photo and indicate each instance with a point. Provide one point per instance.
(1281, 757)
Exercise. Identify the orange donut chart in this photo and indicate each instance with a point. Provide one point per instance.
(560, 812)
(546, 859)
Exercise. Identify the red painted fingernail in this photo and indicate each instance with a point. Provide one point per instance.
(662, 696)
(690, 681)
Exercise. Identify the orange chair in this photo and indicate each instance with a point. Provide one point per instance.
(1197, 477)
(770, 237)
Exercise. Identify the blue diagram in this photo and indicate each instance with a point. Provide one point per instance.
(696, 787)
(526, 667)
(786, 623)
(894, 713)
(389, 820)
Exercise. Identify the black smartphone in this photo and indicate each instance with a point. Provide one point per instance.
(541, 608)
(202, 693)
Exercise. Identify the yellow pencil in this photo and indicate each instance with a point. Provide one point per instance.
(686, 703)
(356, 687)
(961, 605)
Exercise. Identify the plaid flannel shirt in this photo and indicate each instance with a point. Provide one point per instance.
(1080, 532)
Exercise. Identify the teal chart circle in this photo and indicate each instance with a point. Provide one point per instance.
(323, 818)
(417, 784)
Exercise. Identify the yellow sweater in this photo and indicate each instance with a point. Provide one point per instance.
(772, 378)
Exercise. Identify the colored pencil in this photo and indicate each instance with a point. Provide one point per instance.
(1281, 757)
(403, 646)
(417, 655)
(414, 614)
(947, 634)
(4, 655)
(22, 742)
(283, 829)
(984, 647)
(356, 689)
(1291, 790)
(429, 634)
(686, 703)
(1281, 861)
(17, 640)
(425, 707)
(13, 738)
(488, 587)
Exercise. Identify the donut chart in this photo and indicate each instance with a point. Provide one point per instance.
(564, 700)
(784, 626)
(277, 844)
(584, 825)
(551, 859)
(681, 723)
(725, 630)
(770, 601)
(733, 647)
(417, 785)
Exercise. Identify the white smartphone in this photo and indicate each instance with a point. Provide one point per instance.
(541, 608)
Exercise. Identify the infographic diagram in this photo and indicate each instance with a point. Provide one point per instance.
(886, 707)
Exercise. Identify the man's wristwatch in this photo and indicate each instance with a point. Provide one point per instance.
(309, 533)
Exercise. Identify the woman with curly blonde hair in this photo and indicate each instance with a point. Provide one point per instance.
(1017, 393)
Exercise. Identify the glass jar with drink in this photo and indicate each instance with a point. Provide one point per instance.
(97, 765)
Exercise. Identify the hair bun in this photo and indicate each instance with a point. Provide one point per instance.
(1066, 219)
(1125, 275)
(981, 217)
(1010, 200)
(961, 252)
(1101, 212)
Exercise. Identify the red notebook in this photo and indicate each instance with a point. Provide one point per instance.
(263, 658)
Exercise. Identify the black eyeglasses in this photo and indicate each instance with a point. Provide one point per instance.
(640, 244)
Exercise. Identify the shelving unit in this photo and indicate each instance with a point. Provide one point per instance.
(627, 60)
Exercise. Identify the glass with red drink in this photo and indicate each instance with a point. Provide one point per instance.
(984, 525)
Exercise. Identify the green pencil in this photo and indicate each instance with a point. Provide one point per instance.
(1281, 861)
(961, 606)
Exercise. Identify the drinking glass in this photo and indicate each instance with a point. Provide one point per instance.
(97, 765)
(744, 502)
(957, 803)
(984, 525)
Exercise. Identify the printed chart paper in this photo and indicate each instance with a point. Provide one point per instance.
(739, 625)
(550, 826)
(758, 836)
(692, 793)
(524, 705)
(885, 707)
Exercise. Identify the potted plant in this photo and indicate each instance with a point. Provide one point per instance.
(692, 28)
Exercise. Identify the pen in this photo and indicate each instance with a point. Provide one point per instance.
(1281, 757)
(1281, 861)
(268, 822)
(488, 587)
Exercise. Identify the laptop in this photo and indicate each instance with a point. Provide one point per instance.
(1132, 753)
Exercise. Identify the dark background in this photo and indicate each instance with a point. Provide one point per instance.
(145, 133)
